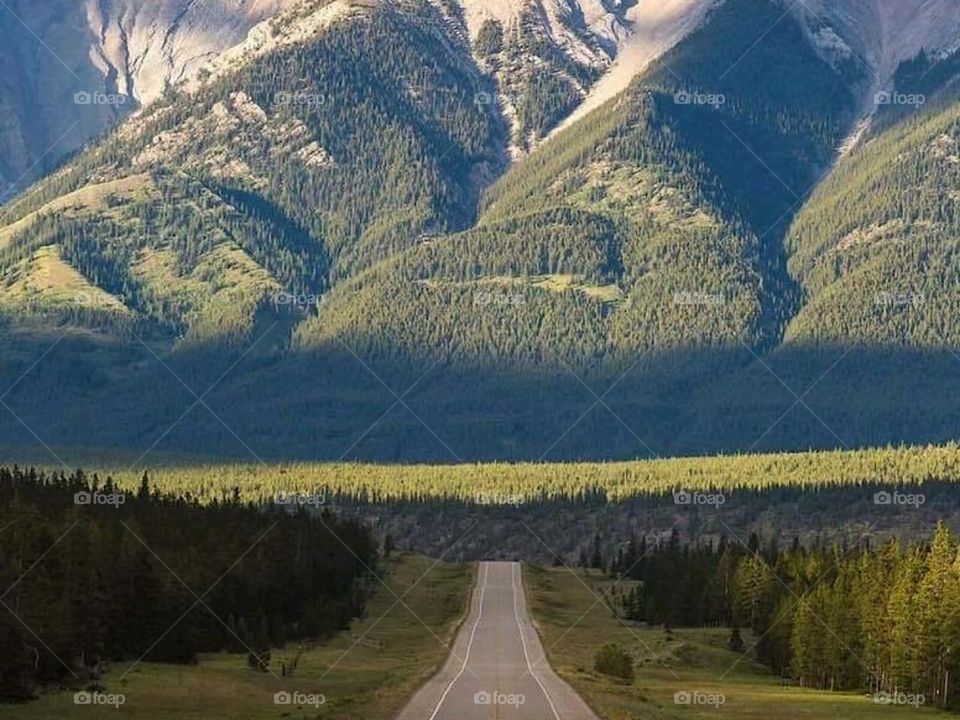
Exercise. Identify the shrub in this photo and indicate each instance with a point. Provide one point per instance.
(612, 659)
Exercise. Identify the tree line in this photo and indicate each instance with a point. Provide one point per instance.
(884, 619)
(863, 472)
(92, 577)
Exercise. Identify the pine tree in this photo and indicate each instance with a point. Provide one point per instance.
(938, 608)
(906, 627)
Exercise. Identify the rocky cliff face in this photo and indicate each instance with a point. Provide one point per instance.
(590, 48)
(69, 69)
(882, 34)
(142, 45)
(336, 178)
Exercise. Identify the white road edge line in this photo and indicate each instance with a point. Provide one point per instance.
(473, 632)
(524, 643)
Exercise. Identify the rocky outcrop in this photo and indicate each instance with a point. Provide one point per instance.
(70, 69)
(881, 34)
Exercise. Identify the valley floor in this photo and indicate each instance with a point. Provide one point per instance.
(370, 671)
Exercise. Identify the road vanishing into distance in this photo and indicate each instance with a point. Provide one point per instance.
(497, 669)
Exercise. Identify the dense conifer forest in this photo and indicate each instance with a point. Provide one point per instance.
(95, 578)
(882, 618)
(513, 483)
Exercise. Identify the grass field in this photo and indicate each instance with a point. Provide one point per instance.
(573, 625)
(395, 655)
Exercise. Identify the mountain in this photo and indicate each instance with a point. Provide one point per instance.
(645, 202)
(875, 247)
(881, 34)
(555, 60)
(547, 229)
(71, 69)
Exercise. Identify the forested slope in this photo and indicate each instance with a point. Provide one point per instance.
(286, 174)
(876, 247)
(331, 219)
(643, 227)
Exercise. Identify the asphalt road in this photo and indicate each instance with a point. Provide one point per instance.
(497, 669)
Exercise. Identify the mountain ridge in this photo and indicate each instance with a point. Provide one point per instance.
(75, 69)
(347, 197)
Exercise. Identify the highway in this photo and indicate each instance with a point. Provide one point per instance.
(496, 669)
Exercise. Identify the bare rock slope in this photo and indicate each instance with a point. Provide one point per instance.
(880, 35)
(556, 60)
(70, 69)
